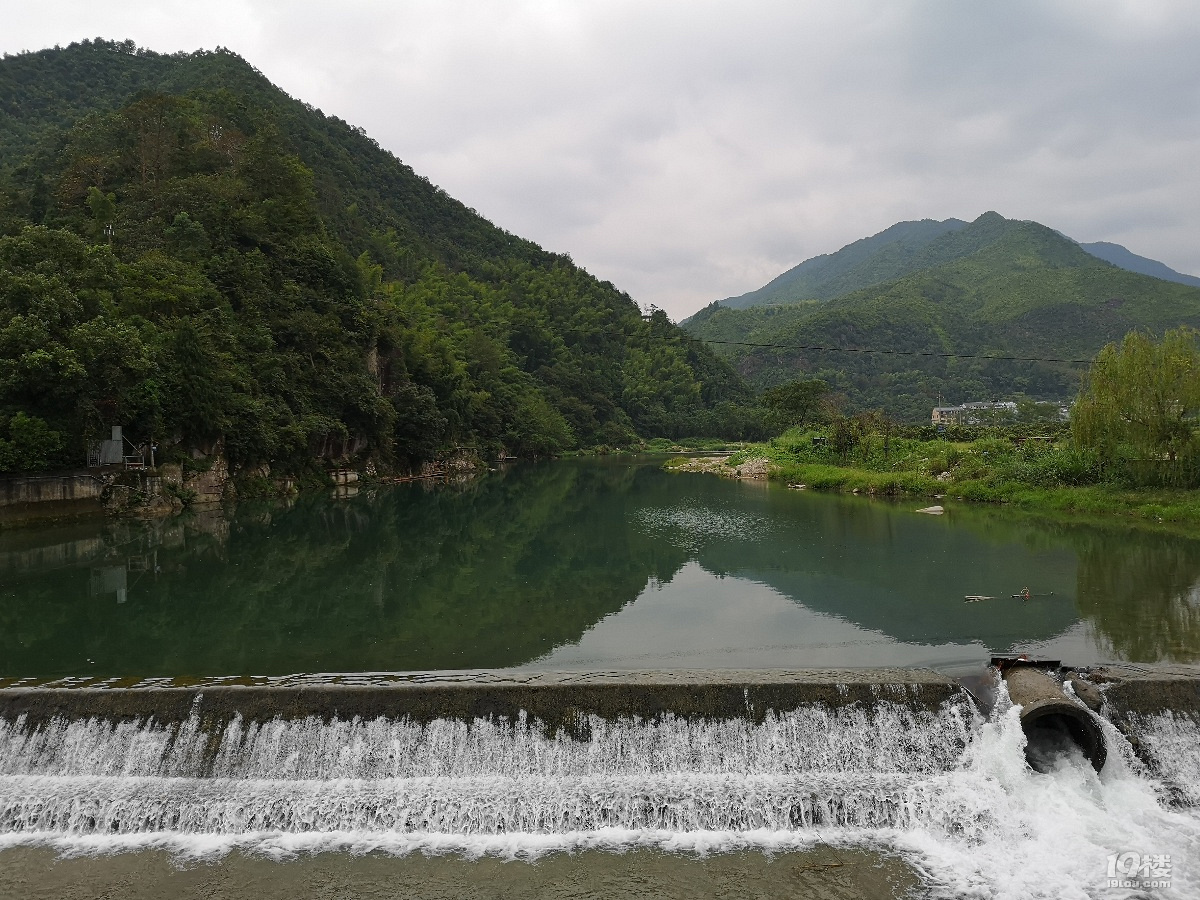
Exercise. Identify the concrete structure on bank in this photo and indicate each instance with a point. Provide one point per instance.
(51, 494)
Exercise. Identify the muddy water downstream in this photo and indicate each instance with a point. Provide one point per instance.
(822, 874)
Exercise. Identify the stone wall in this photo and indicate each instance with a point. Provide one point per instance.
(33, 496)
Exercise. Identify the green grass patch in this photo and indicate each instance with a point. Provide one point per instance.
(1036, 476)
(700, 444)
(822, 477)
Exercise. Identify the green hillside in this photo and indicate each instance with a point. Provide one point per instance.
(909, 247)
(1027, 292)
(191, 253)
(890, 254)
(1132, 262)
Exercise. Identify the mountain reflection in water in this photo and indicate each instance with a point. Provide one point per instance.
(590, 563)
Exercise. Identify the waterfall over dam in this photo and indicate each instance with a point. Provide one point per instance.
(901, 761)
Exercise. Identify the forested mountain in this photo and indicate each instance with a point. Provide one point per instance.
(909, 247)
(1131, 262)
(881, 257)
(1024, 291)
(190, 253)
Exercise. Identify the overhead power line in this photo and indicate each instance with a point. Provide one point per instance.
(1047, 359)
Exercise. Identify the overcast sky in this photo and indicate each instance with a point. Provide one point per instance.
(689, 151)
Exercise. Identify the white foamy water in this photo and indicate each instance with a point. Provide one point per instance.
(1172, 744)
(947, 790)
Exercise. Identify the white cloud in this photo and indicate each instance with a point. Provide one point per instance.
(687, 151)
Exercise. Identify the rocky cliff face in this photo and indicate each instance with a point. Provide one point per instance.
(211, 485)
(143, 494)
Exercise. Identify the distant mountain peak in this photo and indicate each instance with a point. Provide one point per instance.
(913, 246)
(1126, 259)
(884, 255)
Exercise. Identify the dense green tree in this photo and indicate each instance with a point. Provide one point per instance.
(31, 445)
(1140, 404)
(104, 212)
(795, 403)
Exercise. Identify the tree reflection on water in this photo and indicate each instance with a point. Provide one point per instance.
(1141, 593)
(502, 570)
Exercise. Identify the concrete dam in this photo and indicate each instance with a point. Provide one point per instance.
(959, 783)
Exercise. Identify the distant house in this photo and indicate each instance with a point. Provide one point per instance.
(989, 411)
(947, 415)
(974, 413)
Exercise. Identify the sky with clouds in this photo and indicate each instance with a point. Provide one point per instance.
(689, 151)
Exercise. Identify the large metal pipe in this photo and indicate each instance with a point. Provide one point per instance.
(1051, 720)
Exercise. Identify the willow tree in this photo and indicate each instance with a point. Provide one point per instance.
(1140, 405)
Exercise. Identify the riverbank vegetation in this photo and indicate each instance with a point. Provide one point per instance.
(1131, 448)
(1043, 472)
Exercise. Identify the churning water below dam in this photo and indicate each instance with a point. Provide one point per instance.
(944, 789)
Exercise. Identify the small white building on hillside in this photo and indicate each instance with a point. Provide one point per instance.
(975, 413)
(982, 412)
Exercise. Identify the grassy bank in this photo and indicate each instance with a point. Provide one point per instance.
(1033, 472)
(662, 445)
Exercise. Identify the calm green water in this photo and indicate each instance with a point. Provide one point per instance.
(584, 564)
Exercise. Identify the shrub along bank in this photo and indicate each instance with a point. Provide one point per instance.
(1036, 469)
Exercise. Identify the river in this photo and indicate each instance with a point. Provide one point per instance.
(585, 564)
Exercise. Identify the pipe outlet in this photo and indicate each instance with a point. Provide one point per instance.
(1051, 720)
